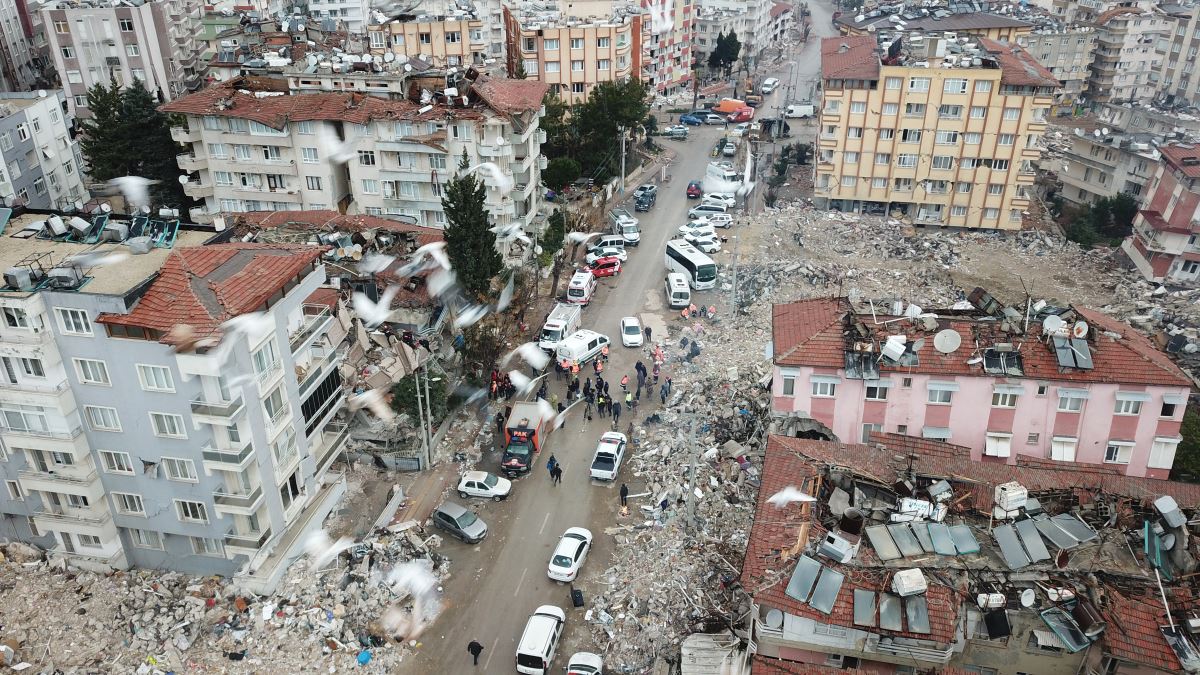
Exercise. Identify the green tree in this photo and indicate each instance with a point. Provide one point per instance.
(470, 243)
(102, 136)
(404, 397)
(731, 52)
(715, 56)
(1187, 455)
(553, 236)
(560, 172)
(610, 105)
(519, 73)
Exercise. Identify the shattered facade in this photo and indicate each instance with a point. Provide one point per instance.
(1165, 244)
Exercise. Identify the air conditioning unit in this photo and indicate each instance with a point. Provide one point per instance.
(20, 278)
(837, 548)
(909, 582)
(66, 277)
(1011, 496)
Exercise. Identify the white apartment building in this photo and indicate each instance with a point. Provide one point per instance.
(355, 13)
(751, 20)
(39, 160)
(125, 444)
(1127, 61)
(360, 154)
(156, 42)
(18, 71)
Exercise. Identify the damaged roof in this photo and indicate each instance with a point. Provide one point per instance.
(1017, 66)
(849, 57)
(510, 97)
(1183, 157)
(811, 333)
(1134, 631)
(329, 220)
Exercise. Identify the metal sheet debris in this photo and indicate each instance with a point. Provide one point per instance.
(1032, 541)
(1010, 547)
(882, 542)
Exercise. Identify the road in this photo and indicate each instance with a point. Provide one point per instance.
(495, 586)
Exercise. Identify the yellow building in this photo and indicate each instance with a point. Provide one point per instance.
(938, 131)
(448, 42)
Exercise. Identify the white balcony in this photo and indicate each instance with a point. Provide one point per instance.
(100, 561)
(25, 337)
(495, 151)
(197, 190)
(316, 318)
(248, 543)
(189, 162)
(332, 439)
(227, 459)
(184, 135)
(53, 518)
(237, 502)
(76, 479)
(220, 412)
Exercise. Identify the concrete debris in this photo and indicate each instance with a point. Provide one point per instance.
(153, 622)
(19, 552)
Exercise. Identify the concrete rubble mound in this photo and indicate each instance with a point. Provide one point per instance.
(149, 622)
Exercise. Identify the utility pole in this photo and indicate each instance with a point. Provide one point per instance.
(622, 130)
(733, 291)
(691, 497)
(429, 417)
(421, 421)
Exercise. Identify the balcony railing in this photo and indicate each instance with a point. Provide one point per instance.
(41, 433)
(252, 540)
(86, 516)
(230, 456)
(184, 135)
(340, 431)
(316, 317)
(241, 500)
(70, 475)
(26, 385)
(316, 370)
(223, 409)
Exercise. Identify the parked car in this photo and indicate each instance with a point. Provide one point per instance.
(800, 110)
(706, 243)
(645, 189)
(697, 229)
(645, 202)
(609, 453)
(585, 663)
(723, 220)
(570, 554)
(692, 120)
(713, 118)
(460, 522)
(707, 209)
(631, 332)
(740, 130)
(484, 484)
(606, 267)
(596, 252)
(676, 131)
(719, 198)
(694, 190)
(730, 148)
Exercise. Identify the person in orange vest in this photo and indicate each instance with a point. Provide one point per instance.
(624, 383)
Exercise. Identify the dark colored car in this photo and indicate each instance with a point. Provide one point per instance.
(459, 522)
(690, 120)
(644, 203)
(606, 267)
(694, 190)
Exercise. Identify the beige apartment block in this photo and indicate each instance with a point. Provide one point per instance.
(1178, 79)
(440, 41)
(929, 134)
(1066, 51)
(1127, 61)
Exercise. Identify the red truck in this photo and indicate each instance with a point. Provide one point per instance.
(522, 439)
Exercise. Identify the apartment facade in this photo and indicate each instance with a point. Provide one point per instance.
(1096, 166)
(358, 153)
(666, 45)
(441, 41)
(125, 447)
(1067, 52)
(1165, 244)
(949, 145)
(19, 70)
(1109, 397)
(751, 22)
(356, 14)
(155, 42)
(40, 162)
(573, 53)
(1127, 64)
(1178, 64)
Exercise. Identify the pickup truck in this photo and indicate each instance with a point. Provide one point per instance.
(622, 223)
(610, 451)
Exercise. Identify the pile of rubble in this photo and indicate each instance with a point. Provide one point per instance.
(340, 615)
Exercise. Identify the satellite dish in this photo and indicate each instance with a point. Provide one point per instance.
(913, 311)
(1096, 133)
(1079, 330)
(774, 618)
(1167, 541)
(183, 180)
(916, 346)
(947, 341)
(1104, 131)
(1052, 324)
(42, 93)
(1028, 597)
(389, 57)
(106, 207)
(977, 359)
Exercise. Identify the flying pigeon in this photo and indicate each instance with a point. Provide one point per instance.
(374, 313)
(788, 495)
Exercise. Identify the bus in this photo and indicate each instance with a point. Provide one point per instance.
(700, 270)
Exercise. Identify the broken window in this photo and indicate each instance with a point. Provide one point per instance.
(998, 362)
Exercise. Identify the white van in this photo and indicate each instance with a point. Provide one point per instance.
(581, 346)
(613, 240)
(800, 110)
(769, 85)
(539, 642)
(581, 288)
(705, 210)
(678, 292)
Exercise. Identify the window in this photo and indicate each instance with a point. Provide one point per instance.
(167, 425)
(378, 39)
(910, 135)
(39, 186)
(849, 181)
(954, 86)
(902, 428)
(132, 50)
(102, 419)
(138, 74)
(68, 53)
(183, 470)
(129, 504)
(983, 86)
(601, 43)
(309, 155)
(312, 182)
(528, 44)
(876, 392)
(531, 66)
(145, 538)
(222, 178)
(824, 388)
(914, 109)
(789, 385)
(15, 317)
(370, 186)
(454, 37)
(89, 541)
(867, 429)
(891, 108)
(918, 84)
(854, 132)
(1006, 139)
(958, 210)
(155, 378)
(78, 501)
(1128, 407)
(366, 157)
(602, 64)
(92, 371)
(14, 490)
(906, 161)
(1118, 452)
(940, 396)
(1004, 399)
(1012, 114)
(1032, 439)
(74, 321)
(275, 405)
(425, 38)
(952, 112)
(972, 138)
(305, 128)
(1000, 165)
(943, 162)
(879, 182)
(266, 358)
(883, 158)
(81, 101)
(1162, 453)
(978, 112)
(125, 24)
(61, 27)
(893, 83)
(858, 106)
(191, 512)
(995, 188)
(947, 137)
(577, 66)
(887, 134)
(116, 462)
(206, 546)
(30, 367)
(832, 106)
(991, 213)
(963, 187)
(998, 445)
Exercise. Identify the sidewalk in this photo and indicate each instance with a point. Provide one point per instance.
(425, 492)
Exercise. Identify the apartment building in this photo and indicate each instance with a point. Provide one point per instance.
(782, 19)
(355, 14)
(19, 68)
(1165, 244)
(1068, 384)
(39, 159)
(126, 441)
(930, 128)
(443, 41)
(1178, 83)
(751, 21)
(1065, 50)
(572, 51)
(976, 24)
(357, 153)
(668, 34)
(712, 23)
(1077, 10)
(1098, 165)
(1176, 121)
(1127, 64)
(154, 42)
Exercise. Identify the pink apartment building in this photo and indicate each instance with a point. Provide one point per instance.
(1079, 387)
(1165, 244)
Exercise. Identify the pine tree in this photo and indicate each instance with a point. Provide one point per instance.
(147, 129)
(103, 140)
(470, 243)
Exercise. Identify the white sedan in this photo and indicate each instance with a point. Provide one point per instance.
(740, 130)
(484, 484)
(631, 332)
(596, 252)
(699, 228)
(706, 244)
(570, 554)
(585, 663)
(719, 198)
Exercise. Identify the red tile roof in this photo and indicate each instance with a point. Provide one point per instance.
(324, 296)
(1175, 155)
(1155, 220)
(204, 286)
(1017, 66)
(765, 574)
(849, 58)
(226, 100)
(1133, 631)
(510, 96)
(329, 221)
(780, 8)
(809, 333)
(938, 459)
